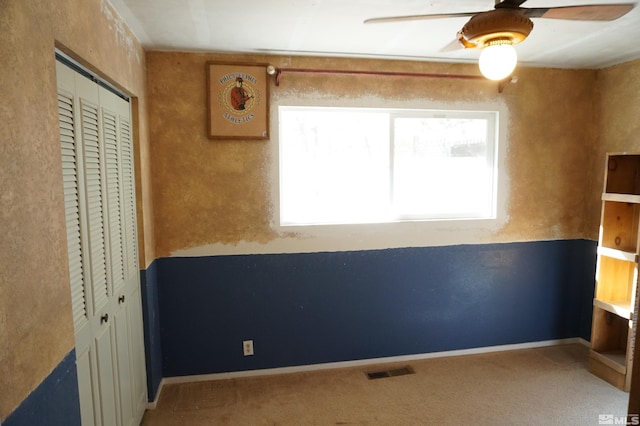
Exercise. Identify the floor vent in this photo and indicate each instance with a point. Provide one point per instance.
(389, 373)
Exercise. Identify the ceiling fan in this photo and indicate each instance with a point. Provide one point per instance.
(496, 31)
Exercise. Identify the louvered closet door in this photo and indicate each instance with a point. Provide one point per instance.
(99, 195)
(86, 361)
(131, 270)
(90, 294)
(123, 268)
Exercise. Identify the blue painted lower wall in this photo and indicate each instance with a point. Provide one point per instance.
(151, 320)
(55, 402)
(314, 308)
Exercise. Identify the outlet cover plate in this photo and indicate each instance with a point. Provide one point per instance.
(247, 347)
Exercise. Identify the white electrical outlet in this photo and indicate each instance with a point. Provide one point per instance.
(247, 347)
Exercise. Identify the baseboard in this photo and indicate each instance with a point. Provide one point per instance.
(363, 362)
(583, 342)
(153, 404)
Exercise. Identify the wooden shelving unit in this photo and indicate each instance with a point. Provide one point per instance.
(615, 302)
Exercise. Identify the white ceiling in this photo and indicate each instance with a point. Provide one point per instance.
(335, 28)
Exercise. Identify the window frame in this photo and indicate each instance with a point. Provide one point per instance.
(492, 118)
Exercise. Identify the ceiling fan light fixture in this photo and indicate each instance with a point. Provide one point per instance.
(498, 59)
(498, 24)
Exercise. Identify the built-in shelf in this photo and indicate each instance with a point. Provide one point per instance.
(612, 359)
(622, 308)
(618, 254)
(621, 198)
(615, 280)
(613, 328)
(623, 174)
(619, 226)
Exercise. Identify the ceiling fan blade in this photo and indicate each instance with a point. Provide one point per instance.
(418, 17)
(453, 46)
(594, 12)
(509, 3)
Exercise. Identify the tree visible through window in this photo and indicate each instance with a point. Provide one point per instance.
(357, 165)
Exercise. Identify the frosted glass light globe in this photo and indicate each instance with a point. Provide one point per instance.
(498, 61)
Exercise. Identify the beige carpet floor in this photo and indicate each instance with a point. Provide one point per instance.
(541, 386)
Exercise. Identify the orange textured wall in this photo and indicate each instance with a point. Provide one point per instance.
(36, 329)
(217, 194)
(618, 114)
(206, 188)
(553, 134)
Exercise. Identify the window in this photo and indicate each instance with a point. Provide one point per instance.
(358, 165)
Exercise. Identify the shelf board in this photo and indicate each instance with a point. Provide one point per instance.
(621, 198)
(615, 360)
(622, 308)
(617, 254)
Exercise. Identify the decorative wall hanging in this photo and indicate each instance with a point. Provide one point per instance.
(237, 100)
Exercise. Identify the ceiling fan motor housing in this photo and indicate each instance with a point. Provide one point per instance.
(500, 24)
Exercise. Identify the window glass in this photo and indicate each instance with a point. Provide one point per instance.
(347, 165)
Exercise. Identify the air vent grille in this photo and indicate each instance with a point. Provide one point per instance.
(371, 375)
